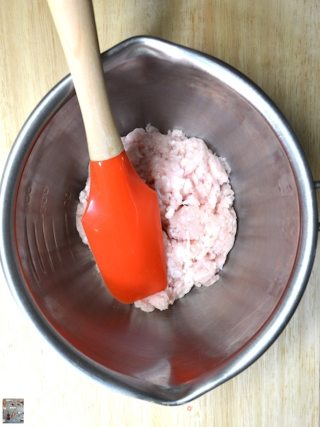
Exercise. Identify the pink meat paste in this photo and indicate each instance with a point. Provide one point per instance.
(196, 203)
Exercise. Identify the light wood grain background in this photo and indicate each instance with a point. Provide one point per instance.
(276, 43)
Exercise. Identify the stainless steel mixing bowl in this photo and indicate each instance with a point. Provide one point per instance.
(213, 333)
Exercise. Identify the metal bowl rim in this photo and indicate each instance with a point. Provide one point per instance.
(45, 109)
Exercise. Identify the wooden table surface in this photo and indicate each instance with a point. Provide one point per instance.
(274, 42)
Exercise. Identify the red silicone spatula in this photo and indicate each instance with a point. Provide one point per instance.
(122, 218)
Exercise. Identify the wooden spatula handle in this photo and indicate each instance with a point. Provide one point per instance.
(74, 20)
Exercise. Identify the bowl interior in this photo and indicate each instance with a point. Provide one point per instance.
(189, 344)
